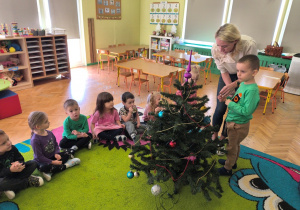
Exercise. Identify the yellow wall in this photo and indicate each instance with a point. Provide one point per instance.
(107, 32)
(146, 28)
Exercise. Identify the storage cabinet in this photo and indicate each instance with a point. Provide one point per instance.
(158, 43)
(23, 66)
(48, 56)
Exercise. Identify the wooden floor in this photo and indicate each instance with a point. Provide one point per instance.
(276, 134)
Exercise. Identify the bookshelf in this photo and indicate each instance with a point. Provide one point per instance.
(158, 43)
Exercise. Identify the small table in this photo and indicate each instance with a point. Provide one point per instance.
(196, 58)
(268, 80)
(121, 50)
(150, 68)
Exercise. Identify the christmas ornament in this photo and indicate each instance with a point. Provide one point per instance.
(130, 174)
(136, 174)
(156, 190)
(206, 120)
(187, 74)
(160, 114)
(202, 108)
(172, 143)
(130, 156)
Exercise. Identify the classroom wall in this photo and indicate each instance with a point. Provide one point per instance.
(107, 32)
(147, 29)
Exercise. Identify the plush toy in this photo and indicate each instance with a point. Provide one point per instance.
(18, 76)
(3, 49)
(12, 49)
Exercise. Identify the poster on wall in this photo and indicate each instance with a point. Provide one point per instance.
(108, 9)
(165, 13)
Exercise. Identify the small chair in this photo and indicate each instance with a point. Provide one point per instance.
(124, 72)
(264, 95)
(139, 79)
(206, 69)
(105, 56)
(140, 53)
(168, 60)
(283, 84)
(121, 45)
(266, 68)
(189, 52)
(110, 46)
(130, 54)
(169, 81)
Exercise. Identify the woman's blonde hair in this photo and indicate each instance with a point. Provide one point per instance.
(36, 118)
(151, 99)
(229, 33)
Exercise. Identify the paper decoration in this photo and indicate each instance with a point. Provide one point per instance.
(164, 13)
(108, 9)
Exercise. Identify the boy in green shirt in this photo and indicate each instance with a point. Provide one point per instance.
(240, 110)
(75, 135)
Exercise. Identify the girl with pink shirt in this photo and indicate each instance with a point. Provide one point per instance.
(152, 106)
(106, 123)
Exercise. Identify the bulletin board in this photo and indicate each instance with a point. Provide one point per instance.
(108, 9)
(165, 13)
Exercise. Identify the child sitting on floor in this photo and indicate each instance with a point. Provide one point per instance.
(45, 148)
(15, 173)
(130, 117)
(75, 135)
(106, 123)
(152, 106)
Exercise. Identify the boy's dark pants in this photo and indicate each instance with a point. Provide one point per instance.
(18, 180)
(80, 142)
(236, 134)
(110, 134)
(50, 168)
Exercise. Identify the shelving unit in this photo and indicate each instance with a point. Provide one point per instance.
(48, 56)
(158, 43)
(23, 66)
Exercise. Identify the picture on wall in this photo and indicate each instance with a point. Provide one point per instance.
(165, 13)
(108, 9)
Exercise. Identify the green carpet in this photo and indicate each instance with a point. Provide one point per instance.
(100, 182)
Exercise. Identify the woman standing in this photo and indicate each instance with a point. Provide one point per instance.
(230, 46)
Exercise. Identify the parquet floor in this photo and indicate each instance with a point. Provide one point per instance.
(276, 134)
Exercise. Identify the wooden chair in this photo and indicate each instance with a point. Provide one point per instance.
(193, 53)
(130, 54)
(205, 69)
(283, 84)
(140, 79)
(110, 46)
(121, 45)
(105, 56)
(124, 72)
(266, 68)
(168, 60)
(140, 53)
(169, 81)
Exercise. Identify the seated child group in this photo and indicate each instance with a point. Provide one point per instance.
(106, 124)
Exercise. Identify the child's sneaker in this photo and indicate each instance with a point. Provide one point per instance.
(10, 194)
(47, 176)
(222, 162)
(121, 138)
(89, 146)
(224, 172)
(219, 151)
(133, 136)
(35, 181)
(72, 162)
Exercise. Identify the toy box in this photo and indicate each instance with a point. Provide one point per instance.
(9, 104)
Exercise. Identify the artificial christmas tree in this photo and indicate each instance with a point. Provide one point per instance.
(180, 145)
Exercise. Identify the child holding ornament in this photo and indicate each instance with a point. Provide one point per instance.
(106, 121)
(45, 148)
(130, 117)
(75, 135)
(15, 173)
(152, 106)
(240, 110)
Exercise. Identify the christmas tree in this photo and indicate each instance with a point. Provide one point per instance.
(180, 146)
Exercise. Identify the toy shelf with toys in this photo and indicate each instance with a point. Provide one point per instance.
(158, 43)
(14, 64)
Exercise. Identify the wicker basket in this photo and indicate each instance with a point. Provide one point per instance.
(273, 50)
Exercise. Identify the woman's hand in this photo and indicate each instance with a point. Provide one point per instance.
(228, 89)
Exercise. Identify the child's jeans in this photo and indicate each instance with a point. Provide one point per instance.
(50, 168)
(18, 180)
(80, 142)
(236, 134)
(131, 127)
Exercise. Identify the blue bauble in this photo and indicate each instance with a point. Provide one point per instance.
(160, 114)
(130, 174)
(199, 130)
(206, 120)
